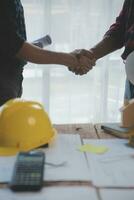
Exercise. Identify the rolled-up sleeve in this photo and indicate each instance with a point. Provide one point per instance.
(117, 30)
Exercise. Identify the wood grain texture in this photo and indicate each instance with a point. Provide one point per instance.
(84, 130)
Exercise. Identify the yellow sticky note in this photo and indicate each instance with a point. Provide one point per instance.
(93, 149)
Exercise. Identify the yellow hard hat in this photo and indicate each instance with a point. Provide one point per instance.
(24, 125)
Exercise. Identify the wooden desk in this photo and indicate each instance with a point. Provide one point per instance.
(87, 131)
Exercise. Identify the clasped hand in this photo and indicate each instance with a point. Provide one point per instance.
(83, 62)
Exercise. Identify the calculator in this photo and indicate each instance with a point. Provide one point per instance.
(28, 172)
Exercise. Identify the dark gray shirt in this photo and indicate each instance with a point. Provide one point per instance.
(12, 36)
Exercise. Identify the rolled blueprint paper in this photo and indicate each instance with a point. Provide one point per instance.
(43, 42)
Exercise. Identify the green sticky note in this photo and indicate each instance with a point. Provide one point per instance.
(93, 149)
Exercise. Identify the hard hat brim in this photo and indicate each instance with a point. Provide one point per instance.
(5, 151)
(11, 151)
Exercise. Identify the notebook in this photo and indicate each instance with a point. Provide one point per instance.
(115, 129)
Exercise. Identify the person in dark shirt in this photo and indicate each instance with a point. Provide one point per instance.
(120, 34)
(15, 51)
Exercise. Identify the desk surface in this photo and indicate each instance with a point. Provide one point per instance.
(86, 131)
(91, 131)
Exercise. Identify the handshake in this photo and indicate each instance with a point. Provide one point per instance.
(82, 61)
(79, 61)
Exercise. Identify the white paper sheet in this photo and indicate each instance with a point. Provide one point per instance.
(114, 168)
(6, 168)
(110, 194)
(65, 152)
(52, 193)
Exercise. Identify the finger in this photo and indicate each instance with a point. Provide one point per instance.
(93, 61)
(88, 53)
(74, 69)
(82, 70)
(85, 66)
(86, 62)
(71, 69)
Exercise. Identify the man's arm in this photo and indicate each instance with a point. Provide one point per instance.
(112, 40)
(34, 54)
(114, 37)
(108, 45)
(38, 55)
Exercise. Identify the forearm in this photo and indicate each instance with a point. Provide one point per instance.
(37, 55)
(104, 47)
